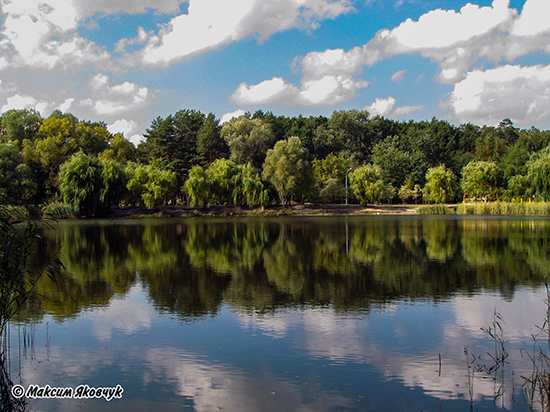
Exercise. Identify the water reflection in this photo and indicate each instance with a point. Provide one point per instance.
(298, 314)
(190, 268)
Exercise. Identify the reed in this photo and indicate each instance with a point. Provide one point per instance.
(17, 280)
(536, 387)
(504, 208)
(434, 210)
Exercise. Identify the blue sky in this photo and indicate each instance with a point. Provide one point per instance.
(128, 62)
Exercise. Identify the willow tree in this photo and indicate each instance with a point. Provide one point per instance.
(440, 185)
(481, 178)
(369, 187)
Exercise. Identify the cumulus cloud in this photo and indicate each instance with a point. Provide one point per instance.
(516, 92)
(107, 100)
(326, 90)
(19, 101)
(386, 107)
(209, 24)
(327, 80)
(43, 35)
(455, 39)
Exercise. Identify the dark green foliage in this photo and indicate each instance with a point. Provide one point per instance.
(210, 144)
(19, 125)
(16, 179)
(172, 142)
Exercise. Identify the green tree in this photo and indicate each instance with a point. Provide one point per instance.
(347, 131)
(120, 149)
(225, 183)
(480, 179)
(198, 187)
(81, 183)
(172, 142)
(440, 185)
(16, 181)
(19, 125)
(210, 144)
(149, 185)
(330, 174)
(409, 191)
(538, 174)
(248, 140)
(287, 168)
(367, 184)
(114, 181)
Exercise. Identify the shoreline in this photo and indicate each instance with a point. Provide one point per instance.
(268, 211)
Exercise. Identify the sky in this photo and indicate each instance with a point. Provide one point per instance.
(128, 62)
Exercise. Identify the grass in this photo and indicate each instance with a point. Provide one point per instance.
(434, 210)
(504, 208)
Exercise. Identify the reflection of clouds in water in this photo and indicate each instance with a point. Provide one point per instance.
(128, 313)
(344, 338)
(520, 315)
(275, 325)
(215, 386)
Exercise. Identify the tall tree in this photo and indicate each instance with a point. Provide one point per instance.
(172, 142)
(287, 168)
(18, 125)
(210, 144)
(248, 140)
(481, 179)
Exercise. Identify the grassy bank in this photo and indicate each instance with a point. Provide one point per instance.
(504, 208)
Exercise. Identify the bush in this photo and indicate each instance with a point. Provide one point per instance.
(60, 210)
(434, 210)
(16, 212)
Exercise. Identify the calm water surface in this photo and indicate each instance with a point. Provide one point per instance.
(303, 314)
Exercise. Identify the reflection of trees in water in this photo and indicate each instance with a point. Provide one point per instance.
(191, 267)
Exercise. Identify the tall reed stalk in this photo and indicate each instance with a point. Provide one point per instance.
(17, 280)
(536, 387)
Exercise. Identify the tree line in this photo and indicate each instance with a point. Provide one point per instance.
(261, 158)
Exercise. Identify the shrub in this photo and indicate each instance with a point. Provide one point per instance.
(60, 210)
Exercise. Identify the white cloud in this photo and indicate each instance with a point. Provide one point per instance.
(397, 76)
(43, 35)
(19, 101)
(107, 100)
(457, 40)
(228, 116)
(209, 24)
(486, 97)
(128, 128)
(327, 90)
(386, 107)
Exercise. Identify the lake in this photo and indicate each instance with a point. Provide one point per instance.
(367, 313)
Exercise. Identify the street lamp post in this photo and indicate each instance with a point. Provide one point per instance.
(349, 170)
